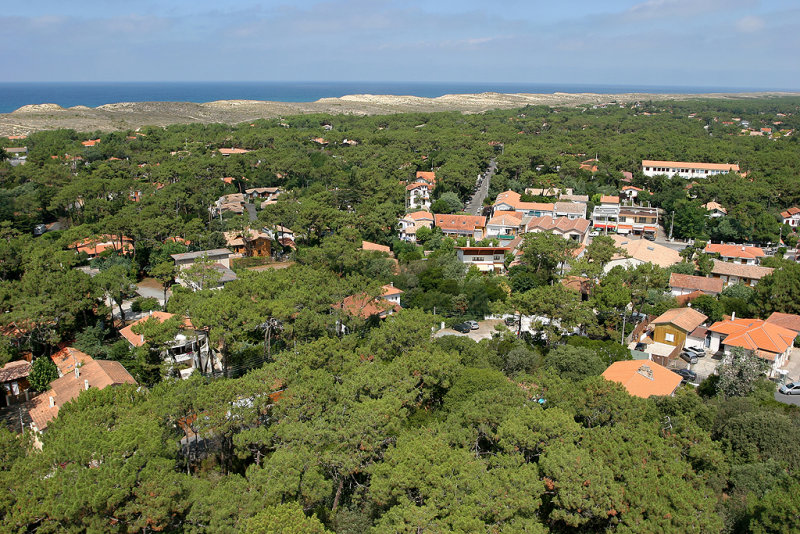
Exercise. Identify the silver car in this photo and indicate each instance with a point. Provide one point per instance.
(473, 324)
(792, 388)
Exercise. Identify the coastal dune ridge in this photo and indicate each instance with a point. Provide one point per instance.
(129, 115)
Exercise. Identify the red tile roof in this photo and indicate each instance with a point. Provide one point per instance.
(710, 286)
(98, 373)
(15, 371)
(753, 272)
(789, 321)
(67, 358)
(417, 185)
(790, 212)
(363, 306)
(562, 224)
(136, 339)
(428, 176)
(229, 151)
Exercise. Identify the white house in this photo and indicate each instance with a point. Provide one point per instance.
(486, 259)
(685, 169)
(742, 254)
(768, 341)
(504, 223)
(411, 222)
(716, 210)
(791, 216)
(418, 195)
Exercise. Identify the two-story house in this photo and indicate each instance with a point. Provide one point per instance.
(743, 254)
(486, 259)
(768, 341)
(638, 220)
(411, 222)
(472, 226)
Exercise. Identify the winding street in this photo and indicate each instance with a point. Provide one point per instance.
(475, 204)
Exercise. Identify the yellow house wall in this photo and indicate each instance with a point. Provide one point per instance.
(660, 335)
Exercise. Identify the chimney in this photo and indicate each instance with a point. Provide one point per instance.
(142, 338)
(52, 401)
(85, 384)
(646, 371)
(77, 371)
(733, 316)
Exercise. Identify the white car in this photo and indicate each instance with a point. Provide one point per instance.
(792, 388)
(594, 233)
(473, 324)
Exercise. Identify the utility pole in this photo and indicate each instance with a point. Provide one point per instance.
(671, 224)
(624, 316)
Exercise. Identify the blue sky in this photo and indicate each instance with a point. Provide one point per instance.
(732, 43)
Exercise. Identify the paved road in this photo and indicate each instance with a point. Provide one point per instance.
(787, 399)
(475, 204)
(251, 211)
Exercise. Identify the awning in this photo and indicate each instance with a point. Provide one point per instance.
(625, 227)
(621, 230)
(650, 229)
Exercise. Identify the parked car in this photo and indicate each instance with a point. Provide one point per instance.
(462, 327)
(699, 352)
(510, 321)
(473, 325)
(686, 374)
(650, 237)
(641, 347)
(792, 388)
(594, 233)
(689, 357)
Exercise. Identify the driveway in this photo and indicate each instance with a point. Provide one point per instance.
(485, 330)
(787, 399)
(707, 366)
(792, 366)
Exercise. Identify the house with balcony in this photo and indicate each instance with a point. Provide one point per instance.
(504, 223)
(418, 196)
(637, 220)
(605, 215)
(187, 352)
(686, 284)
(511, 201)
(486, 259)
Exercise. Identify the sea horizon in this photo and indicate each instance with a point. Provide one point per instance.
(14, 95)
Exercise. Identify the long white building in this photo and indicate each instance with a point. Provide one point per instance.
(685, 169)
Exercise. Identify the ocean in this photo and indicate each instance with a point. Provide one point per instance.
(14, 95)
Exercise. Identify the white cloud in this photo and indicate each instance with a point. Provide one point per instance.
(750, 24)
(653, 9)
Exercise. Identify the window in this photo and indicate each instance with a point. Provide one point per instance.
(669, 338)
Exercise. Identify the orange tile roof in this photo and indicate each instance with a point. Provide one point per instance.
(609, 199)
(454, 223)
(689, 281)
(229, 151)
(790, 212)
(90, 142)
(684, 300)
(417, 185)
(755, 334)
(735, 251)
(98, 373)
(67, 358)
(429, 176)
(687, 165)
(686, 319)
(506, 218)
(419, 215)
(711, 206)
(389, 290)
(643, 378)
(136, 339)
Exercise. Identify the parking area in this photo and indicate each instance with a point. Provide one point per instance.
(485, 330)
(792, 366)
(705, 367)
